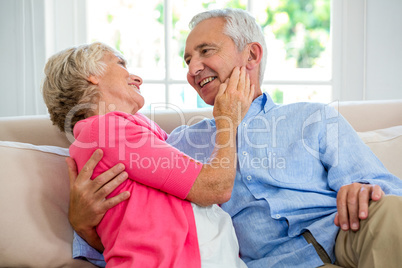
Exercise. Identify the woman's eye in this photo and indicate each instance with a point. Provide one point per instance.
(122, 63)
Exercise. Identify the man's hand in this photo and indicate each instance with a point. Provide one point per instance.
(234, 97)
(88, 203)
(352, 202)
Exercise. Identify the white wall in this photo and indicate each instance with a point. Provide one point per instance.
(384, 50)
(371, 50)
(367, 63)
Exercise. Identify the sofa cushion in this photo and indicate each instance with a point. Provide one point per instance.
(35, 231)
(34, 195)
(386, 144)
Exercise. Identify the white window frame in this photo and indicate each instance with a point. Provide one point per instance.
(365, 49)
(65, 25)
(69, 17)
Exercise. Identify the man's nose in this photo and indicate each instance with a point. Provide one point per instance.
(195, 67)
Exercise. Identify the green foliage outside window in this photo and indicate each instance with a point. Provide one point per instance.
(277, 95)
(303, 25)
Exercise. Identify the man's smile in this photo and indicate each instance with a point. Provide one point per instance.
(207, 80)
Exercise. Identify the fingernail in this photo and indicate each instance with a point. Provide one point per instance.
(362, 214)
(354, 226)
(120, 167)
(344, 227)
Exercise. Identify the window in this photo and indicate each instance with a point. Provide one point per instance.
(151, 34)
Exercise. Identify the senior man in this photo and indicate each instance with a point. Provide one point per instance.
(302, 170)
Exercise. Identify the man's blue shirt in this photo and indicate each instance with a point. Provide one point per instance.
(292, 161)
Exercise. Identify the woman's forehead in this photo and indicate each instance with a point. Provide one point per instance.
(108, 55)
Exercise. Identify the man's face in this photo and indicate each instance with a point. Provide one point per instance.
(211, 57)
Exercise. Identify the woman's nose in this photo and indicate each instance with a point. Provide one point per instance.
(136, 78)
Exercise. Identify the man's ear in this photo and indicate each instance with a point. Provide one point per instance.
(254, 55)
(93, 79)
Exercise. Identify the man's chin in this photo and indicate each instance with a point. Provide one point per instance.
(210, 100)
(209, 97)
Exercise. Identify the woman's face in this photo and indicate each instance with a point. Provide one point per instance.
(120, 90)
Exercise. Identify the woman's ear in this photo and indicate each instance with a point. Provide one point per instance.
(254, 55)
(93, 79)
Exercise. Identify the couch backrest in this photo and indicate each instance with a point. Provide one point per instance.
(38, 130)
(371, 115)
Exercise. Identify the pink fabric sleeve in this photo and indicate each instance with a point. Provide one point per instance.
(141, 146)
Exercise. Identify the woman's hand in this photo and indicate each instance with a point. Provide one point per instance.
(234, 97)
(88, 203)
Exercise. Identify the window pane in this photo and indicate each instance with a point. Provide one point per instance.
(185, 97)
(297, 34)
(153, 93)
(296, 93)
(134, 28)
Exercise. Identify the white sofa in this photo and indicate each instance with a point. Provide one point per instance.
(34, 228)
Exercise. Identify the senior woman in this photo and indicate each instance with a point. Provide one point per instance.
(88, 89)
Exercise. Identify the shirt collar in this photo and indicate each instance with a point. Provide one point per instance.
(263, 102)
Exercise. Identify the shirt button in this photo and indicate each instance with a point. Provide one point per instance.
(249, 178)
(244, 153)
(277, 216)
(244, 124)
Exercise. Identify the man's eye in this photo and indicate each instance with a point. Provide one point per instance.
(204, 51)
(187, 61)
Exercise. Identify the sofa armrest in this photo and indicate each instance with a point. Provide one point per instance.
(36, 129)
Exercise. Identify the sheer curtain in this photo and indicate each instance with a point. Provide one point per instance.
(22, 54)
(31, 31)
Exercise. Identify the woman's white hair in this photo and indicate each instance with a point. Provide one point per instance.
(241, 27)
(66, 88)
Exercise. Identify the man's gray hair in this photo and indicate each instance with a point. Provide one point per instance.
(241, 27)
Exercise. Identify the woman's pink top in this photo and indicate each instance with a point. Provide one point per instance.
(155, 227)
